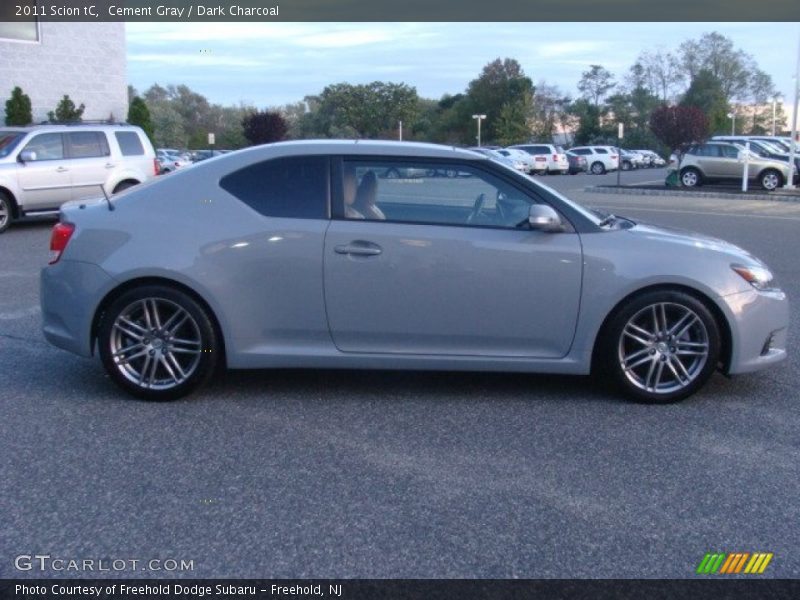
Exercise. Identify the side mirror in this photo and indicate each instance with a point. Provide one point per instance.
(27, 156)
(544, 218)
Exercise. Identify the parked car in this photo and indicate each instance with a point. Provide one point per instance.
(764, 149)
(577, 163)
(720, 161)
(530, 165)
(170, 160)
(200, 155)
(43, 166)
(654, 159)
(601, 159)
(496, 155)
(300, 256)
(630, 160)
(554, 156)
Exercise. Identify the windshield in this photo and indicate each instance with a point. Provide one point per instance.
(9, 140)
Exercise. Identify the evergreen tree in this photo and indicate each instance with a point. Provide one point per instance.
(66, 112)
(139, 114)
(18, 108)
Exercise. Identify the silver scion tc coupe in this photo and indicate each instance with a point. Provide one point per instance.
(304, 254)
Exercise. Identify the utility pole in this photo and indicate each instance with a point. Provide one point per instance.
(400, 134)
(793, 151)
(479, 118)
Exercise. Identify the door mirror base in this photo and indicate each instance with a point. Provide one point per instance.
(544, 218)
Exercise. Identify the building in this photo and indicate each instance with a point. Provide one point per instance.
(47, 60)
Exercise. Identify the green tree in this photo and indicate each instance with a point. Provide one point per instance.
(716, 53)
(502, 83)
(18, 108)
(66, 112)
(139, 114)
(588, 130)
(705, 92)
(595, 84)
(513, 124)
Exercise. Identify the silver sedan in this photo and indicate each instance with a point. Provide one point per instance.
(301, 254)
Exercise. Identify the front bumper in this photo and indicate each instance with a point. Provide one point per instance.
(759, 323)
(70, 292)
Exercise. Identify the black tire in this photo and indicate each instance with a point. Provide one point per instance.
(615, 347)
(770, 180)
(691, 177)
(6, 211)
(598, 168)
(123, 185)
(626, 165)
(199, 357)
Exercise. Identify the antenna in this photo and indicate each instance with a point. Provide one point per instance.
(108, 200)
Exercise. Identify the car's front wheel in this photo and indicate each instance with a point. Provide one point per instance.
(6, 212)
(661, 346)
(157, 342)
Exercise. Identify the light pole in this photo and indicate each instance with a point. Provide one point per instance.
(793, 150)
(732, 117)
(774, 112)
(479, 118)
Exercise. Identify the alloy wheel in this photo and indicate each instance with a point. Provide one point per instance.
(770, 181)
(156, 344)
(663, 348)
(689, 179)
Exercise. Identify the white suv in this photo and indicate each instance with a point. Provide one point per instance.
(43, 166)
(555, 158)
(599, 158)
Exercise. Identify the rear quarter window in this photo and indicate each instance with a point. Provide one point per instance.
(129, 143)
(601, 151)
(294, 187)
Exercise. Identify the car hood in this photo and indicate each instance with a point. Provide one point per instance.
(685, 238)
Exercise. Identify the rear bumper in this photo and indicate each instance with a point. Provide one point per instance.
(759, 323)
(70, 292)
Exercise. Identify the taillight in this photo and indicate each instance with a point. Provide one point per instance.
(613, 157)
(156, 167)
(541, 159)
(555, 157)
(59, 240)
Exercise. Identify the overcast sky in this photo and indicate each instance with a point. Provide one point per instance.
(272, 64)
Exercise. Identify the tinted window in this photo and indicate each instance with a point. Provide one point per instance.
(434, 194)
(129, 143)
(294, 187)
(729, 151)
(601, 150)
(9, 141)
(582, 151)
(707, 150)
(47, 146)
(87, 144)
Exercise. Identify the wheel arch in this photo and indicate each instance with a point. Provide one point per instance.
(130, 284)
(14, 205)
(777, 171)
(130, 180)
(726, 350)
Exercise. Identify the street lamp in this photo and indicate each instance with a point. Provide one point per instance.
(732, 117)
(479, 118)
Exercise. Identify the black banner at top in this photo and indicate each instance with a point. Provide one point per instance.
(399, 10)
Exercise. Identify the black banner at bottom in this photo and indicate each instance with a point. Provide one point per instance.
(401, 589)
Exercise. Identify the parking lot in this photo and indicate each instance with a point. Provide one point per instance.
(387, 474)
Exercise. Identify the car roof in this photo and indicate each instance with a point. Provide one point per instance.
(367, 147)
(46, 127)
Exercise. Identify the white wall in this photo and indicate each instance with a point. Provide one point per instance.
(84, 60)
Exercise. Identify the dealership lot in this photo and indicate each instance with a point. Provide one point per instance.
(383, 474)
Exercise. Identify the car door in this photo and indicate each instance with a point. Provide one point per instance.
(441, 268)
(91, 162)
(45, 181)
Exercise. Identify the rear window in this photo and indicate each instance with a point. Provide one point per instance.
(295, 187)
(87, 144)
(129, 143)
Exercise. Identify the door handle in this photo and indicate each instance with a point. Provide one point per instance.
(62, 170)
(359, 248)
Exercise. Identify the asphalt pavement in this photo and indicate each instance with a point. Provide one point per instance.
(387, 474)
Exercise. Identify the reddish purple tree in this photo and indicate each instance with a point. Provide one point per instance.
(264, 127)
(678, 125)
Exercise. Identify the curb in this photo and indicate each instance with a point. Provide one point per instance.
(631, 191)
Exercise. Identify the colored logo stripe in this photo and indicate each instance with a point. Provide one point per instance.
(734, 563)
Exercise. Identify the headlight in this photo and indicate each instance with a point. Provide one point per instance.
(759, 277)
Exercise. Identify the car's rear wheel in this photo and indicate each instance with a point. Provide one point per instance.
(770, 180)
(6, 211)
(157, 342)
(123, 185)
(661, 346)
(691, 177)
(626, 165)
(598, 168)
